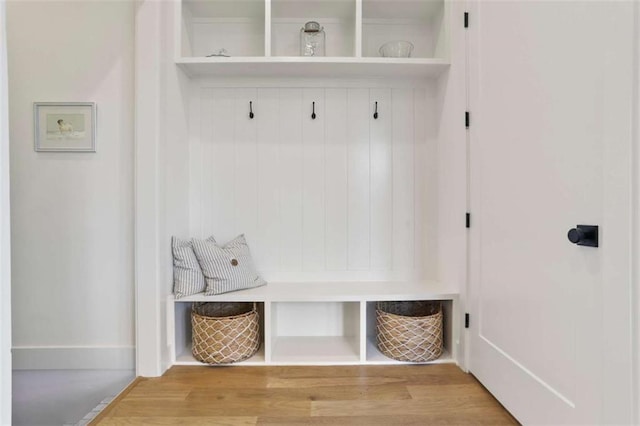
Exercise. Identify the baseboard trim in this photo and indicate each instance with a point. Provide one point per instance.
(73, 358)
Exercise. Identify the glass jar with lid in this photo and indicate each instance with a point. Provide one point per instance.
(312, 39)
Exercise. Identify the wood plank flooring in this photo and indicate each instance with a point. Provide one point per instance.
(347, 395)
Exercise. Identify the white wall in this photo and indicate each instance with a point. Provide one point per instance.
(72, 213)
(5, 230)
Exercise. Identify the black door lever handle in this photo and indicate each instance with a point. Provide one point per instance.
(584, 235)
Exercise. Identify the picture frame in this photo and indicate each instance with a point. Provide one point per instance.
(64, 126)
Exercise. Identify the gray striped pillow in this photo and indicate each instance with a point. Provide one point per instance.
(187, 275)
(227, 268)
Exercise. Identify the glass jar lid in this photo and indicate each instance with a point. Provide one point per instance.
(311, 27)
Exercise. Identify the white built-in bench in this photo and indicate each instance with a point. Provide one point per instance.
(317, 323)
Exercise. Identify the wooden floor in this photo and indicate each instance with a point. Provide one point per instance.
(348, 395)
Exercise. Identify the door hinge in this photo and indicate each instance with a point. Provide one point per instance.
(466, 320)
(466, 19)
(467, 119)
(468, 220)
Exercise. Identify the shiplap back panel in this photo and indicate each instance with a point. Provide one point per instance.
(339, 197)
(336, 180)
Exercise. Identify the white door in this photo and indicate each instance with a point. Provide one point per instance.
(551, 141)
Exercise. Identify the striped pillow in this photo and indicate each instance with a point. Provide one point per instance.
(227, 268)
(187, 275)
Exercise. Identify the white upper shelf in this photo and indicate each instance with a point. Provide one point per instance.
(291, 66)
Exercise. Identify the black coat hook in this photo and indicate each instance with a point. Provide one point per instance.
(251, 115)
(313, 111)
(375, 114)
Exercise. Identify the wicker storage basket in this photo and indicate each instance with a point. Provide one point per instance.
(224, 332)
(409, 331)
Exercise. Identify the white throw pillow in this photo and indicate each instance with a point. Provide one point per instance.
(227, 268)
(188, 278)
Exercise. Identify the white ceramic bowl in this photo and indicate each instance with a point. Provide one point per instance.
(396, 49)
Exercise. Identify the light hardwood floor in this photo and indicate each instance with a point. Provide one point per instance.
(348, 395)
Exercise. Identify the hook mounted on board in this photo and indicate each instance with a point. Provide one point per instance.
(313, 110)
(251, 115)
(375, 114)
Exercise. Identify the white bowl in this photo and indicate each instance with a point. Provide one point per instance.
(396, 49)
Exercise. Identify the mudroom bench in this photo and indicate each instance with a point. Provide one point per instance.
(317, 323)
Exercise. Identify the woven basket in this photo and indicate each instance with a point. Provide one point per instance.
(409, 331)
(224, 332)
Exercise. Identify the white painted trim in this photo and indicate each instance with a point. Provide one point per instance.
(148, 37)
(177, 35)
(5, 232)
(74, 358)
(635, 249)
(466, 302)
(617, 263)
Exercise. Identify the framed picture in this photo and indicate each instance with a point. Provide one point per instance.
(65, 126)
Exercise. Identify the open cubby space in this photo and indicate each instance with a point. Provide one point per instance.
(183, 335)
(315, 332)
(238, 26)
(419, 22)
(289, 16)
(373, 354)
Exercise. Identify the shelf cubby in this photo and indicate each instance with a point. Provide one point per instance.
(315, 332)
(373, 354)
(337, 17)
(238, 26)
(182, 336)
(417, 21)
